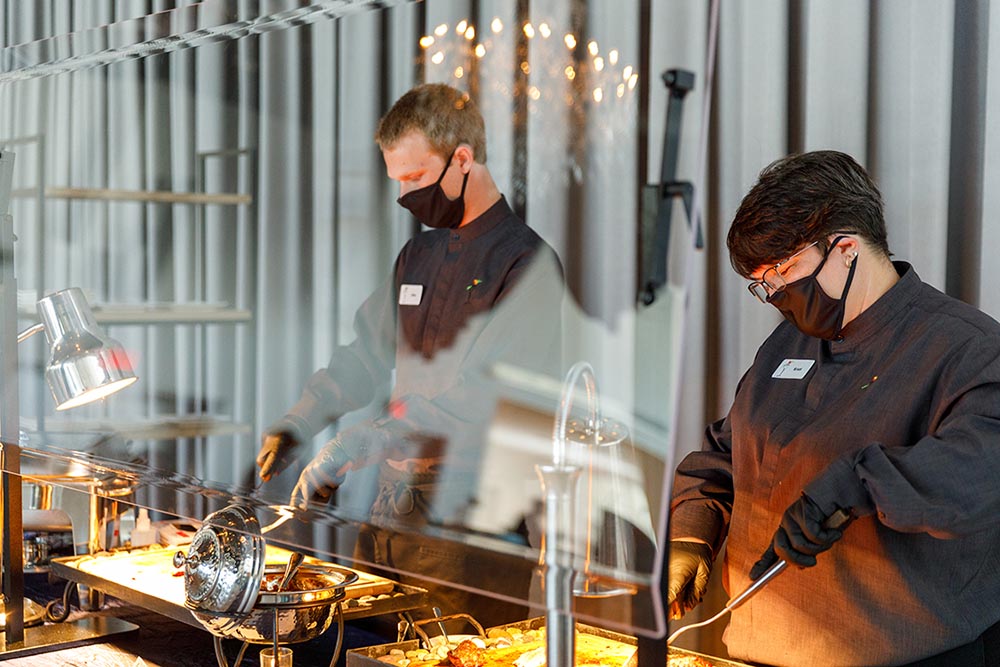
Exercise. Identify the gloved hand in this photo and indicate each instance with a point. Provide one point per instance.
(799, 538)
(276, 449)
(324, 474)
(689, 567)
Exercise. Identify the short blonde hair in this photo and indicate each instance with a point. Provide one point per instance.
(446, 116)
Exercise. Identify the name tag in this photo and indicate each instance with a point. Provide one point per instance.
(793, 369)
(410, 295)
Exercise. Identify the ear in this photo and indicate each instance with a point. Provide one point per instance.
(465, 157)
(847, 249)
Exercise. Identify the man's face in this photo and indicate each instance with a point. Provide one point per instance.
(413, 164)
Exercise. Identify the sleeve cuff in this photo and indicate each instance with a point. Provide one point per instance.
(839, 487)
(290, 424)
(696, 520)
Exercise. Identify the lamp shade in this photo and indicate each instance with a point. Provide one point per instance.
(84, 364)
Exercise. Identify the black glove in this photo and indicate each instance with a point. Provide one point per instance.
(799, 538)
(689, 567)
(324, 475)
(276, 450)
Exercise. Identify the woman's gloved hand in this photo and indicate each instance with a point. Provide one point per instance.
(277, 449)
(324, 475)
(689, 567)
(803, 533)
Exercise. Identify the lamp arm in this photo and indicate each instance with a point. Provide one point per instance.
(29, 332)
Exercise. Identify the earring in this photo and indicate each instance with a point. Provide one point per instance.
(850, 261)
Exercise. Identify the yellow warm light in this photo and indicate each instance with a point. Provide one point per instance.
(496, 25)
(570, 41)
(613, 57)
(632, 80)
(426, 41)
(598, 94)
(570, 72)
(460, 28)
(480, 50)
(437, 58)
(525, 67)
(621, 90)
(593, 48)
(534, 93)
(470, 33)
(627, 73)
(441, 30)
(459, 73)
(599, 63)
(545, 30)
(529, 30)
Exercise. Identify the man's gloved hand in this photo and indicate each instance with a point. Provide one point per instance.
(689, 567)
(277, 446)
(324, 474)
(799, 538)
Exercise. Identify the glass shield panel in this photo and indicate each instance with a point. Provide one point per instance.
(464, 410)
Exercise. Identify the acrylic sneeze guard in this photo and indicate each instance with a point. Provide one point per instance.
(207, 175)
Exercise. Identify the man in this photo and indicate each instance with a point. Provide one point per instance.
(878, 396)
(479, 288)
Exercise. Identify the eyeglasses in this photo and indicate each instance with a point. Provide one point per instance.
(771, 280)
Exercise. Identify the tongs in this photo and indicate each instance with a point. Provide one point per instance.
(835, 521)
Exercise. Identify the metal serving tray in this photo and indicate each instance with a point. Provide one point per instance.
(369, 656)
(146, 577)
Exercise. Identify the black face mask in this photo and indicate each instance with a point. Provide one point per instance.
(431, 206)
(805, 304)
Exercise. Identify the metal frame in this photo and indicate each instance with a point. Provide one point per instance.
(45, 638)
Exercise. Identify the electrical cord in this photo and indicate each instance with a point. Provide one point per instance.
(54, 617)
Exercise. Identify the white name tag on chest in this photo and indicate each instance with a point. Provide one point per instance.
(410, 295)
(793, 369)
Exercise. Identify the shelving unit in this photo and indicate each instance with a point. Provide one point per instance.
(199, 314)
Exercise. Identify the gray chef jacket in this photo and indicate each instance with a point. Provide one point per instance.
(899, 419)
(459, 301)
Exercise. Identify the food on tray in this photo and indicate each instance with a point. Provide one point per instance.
(300, 582)
(467, 654)
(510, 647)
(687, 661)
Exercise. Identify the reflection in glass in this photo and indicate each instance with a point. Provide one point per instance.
(603, 457)
(229, 212)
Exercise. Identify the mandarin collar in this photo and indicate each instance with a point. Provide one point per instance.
(489, 219)
(884, 311)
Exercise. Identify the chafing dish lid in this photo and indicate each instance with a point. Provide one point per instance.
(224, 563)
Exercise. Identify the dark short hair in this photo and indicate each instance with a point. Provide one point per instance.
(803, 198)
(445, 115)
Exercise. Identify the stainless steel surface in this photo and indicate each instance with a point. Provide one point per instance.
(12, 553)
(437, 614)
(85, 365)
(304, 612)
(558, 484)
(224, 563)
(46, 638)
(558, 487)
(403, 598)
(294, 561)
(232, 594)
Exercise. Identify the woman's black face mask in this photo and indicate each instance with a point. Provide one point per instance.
(431, 206)
(804, 303)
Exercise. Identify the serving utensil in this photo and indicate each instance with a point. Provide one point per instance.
(290, 569)
(837, 521)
